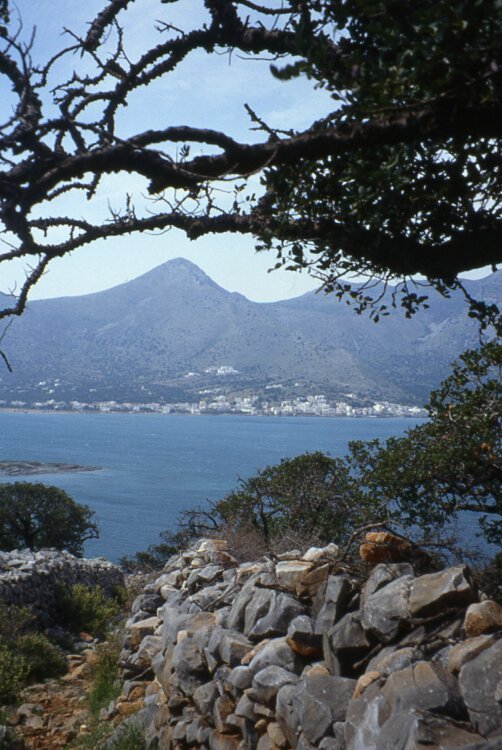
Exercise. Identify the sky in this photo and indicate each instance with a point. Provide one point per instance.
(206, 91)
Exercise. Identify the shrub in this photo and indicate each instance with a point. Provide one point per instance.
(104, 674)
(13, 672)
(42, 658)
(88, 609)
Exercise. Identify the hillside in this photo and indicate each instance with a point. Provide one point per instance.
(140, 340)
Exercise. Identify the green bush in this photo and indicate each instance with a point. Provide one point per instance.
(104, 674)
(87, 609)
(13, 672)
(42, 658)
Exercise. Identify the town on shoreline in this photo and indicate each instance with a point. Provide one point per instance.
(310, 406)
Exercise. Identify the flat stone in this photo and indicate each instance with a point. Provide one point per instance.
(482, 617)
(141, 629)
(383, 574)
(435, 591)
(461, 653)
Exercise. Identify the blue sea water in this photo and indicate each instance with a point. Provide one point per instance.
(154, 466)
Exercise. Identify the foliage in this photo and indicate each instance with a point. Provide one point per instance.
(105, 686)
(24, 654)
(13, 672)
(400, 176)
(42, 658)
(37, 515)
(417, 484)
(310, 494)
(449, 464)
(88, 609)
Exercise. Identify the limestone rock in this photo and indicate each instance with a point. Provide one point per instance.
(414, 730)
(267, 683)
(386, 612)
(383, 547)
(448, 588)
(331, 601)
(482, 617)
(480, 683)
(345, 642)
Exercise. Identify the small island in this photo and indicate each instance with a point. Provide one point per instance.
(22, 468)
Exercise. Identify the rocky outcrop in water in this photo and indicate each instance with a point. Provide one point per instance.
(295, 653)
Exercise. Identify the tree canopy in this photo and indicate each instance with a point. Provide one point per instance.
(399, 177)
(38, 515)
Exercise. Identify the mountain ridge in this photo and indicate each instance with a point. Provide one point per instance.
(140, 339)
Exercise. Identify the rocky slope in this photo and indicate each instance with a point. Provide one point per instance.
(294, 652)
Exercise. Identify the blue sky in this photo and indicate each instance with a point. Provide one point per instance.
(206, 91)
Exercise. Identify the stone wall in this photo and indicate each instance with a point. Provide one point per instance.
(296, 653)
(32, 579)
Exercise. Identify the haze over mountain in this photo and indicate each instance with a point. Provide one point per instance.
(139, 342)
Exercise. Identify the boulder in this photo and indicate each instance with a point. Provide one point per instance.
(276, 653)
(480, 683)
(415, 730)
(482, 617)
(330, 602)
(320, 701)
(345, 643)
(386, 612)
(267, 683)
(423, 686)
(384, 547)
(383, 574)
(433, 592)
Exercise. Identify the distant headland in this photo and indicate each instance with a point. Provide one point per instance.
(15, 468)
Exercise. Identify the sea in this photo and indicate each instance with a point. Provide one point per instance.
(152, 466)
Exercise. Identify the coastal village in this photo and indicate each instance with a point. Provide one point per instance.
(309, 406)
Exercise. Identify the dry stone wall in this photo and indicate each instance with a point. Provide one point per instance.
(295, 653)
(33, 579)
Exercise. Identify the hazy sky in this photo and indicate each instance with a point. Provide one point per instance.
(206, 91)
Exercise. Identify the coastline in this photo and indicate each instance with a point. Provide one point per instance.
(95, 412)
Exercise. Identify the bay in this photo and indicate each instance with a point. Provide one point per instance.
(153, 466)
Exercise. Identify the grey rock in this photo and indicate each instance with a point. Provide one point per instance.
(189, 666)
(319, 701)
(345, 643)
(414, 730)
(227, 646)
(263, 612)
(423, 686)
(480, 683)
(386, 612)
(331, 601)
(276, 652)
(391, 659)
(287, 715)
(204, 698)
(383, 574)
(448, 588)
(245, 708)
(240, 678)
(365, 718)
(148, 603)
(267, 683)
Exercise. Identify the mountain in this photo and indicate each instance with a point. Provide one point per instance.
(140, 340)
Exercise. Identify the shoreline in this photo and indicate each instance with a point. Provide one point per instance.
(22, 410)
